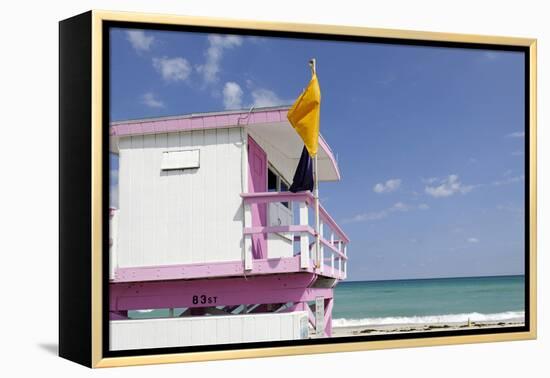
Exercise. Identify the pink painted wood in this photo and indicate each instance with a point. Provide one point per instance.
(217, 270)
(329, 303)
(209, 121)
(223, 292)
(206, 270)
(118, 315)
(196, 122)
(257, 182)
(267, 197)
(273, 229)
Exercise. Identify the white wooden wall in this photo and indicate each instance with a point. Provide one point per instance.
(180, 216)
(204, 330)
(113, 235)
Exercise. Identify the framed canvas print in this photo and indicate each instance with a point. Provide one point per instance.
(234, 189)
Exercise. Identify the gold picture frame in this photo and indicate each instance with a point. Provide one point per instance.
(91, 267)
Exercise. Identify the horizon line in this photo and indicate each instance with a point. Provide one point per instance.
(435, 278)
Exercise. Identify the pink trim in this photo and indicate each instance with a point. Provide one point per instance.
(306, 197)
(274, 229)
(217, 269)
(198, 122)
(257, 182)
(209, 121)
(214, 269)
(266, 197)
(227, 292)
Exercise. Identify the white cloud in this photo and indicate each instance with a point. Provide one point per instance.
(217, 44)
(172, 69)
(387, 187)
(447, 187)
(472, 240)
(509, 180)
(149, 99)
(430, 180)
(423, 206)
(139, 40)
(517, 134)
(381, 214)
(232, 95)
(265, 98)
(399, 206)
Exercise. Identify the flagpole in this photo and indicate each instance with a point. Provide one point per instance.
(312, 64)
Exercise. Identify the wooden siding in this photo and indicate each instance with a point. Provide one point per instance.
(180, 216)
(207, 330)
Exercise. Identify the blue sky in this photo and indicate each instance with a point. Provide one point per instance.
(429, 140)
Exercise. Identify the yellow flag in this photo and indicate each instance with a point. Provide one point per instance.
(304, 115)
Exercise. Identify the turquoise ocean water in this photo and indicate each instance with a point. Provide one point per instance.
(429, 300)
(441, 300)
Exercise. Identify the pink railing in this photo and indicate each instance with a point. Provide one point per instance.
(332, 238)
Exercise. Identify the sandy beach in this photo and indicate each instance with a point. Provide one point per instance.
(433, 327)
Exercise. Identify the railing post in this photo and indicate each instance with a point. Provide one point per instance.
(321, 258)
(345, 261)
(247, 245)
(304, 236)
(332, 253)
(340, 258)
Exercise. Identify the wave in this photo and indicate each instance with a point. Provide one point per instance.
(429, 319)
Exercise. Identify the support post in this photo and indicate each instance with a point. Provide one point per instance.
(319, 316)
(340, 258)
(329, 302)
(319, 263)
(345, 261)
(247, 245)
(321, 255)
(332, 254)
(304, 237)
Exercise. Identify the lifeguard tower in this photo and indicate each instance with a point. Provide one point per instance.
(206, 225)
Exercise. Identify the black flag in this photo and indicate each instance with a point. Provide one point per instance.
(303, 177)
